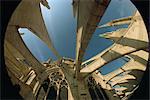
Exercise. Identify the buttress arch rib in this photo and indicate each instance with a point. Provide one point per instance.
(133, 64)
(28, 15)
(88, 14)
(132, 41)
(65, 77)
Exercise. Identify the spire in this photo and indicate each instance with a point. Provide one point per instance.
(114, 35)
(45, 3)
(116, 22)
(75, 7)
(121, 21)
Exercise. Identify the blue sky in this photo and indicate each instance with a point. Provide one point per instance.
(61, 26)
